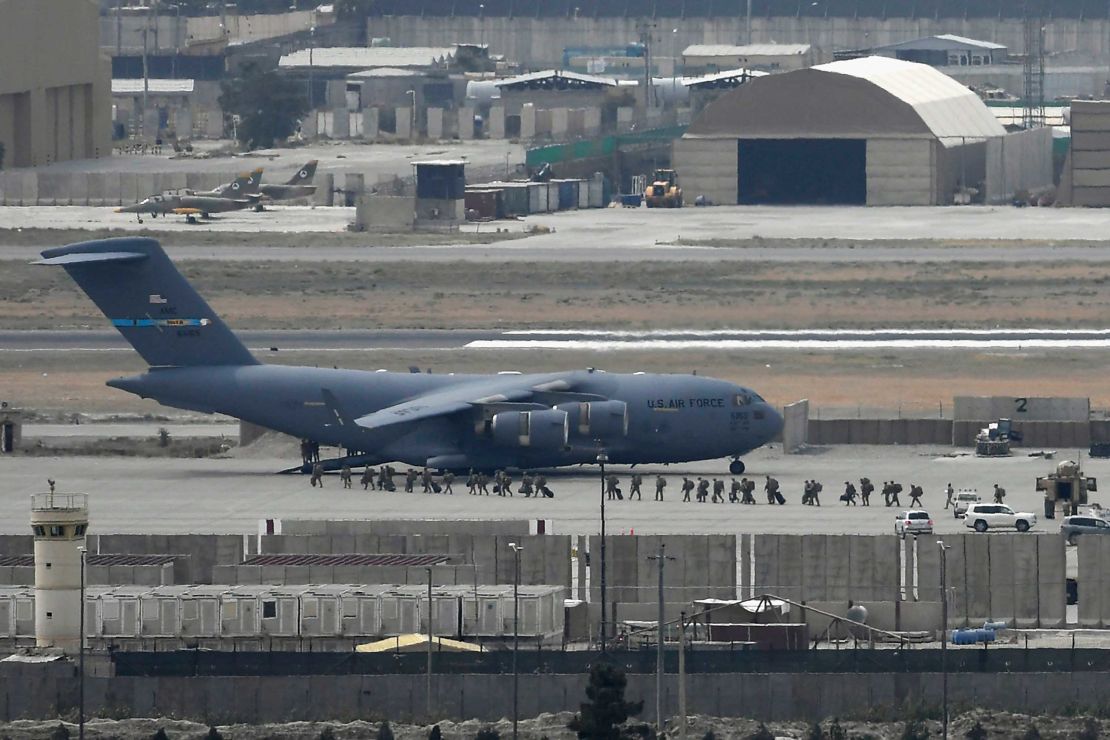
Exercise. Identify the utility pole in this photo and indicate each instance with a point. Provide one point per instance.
(682, 676)
(602, 458)
(81, 651)
(661, 558)
(944, 635)
(430, 633)
(146, 71)
(516, 634)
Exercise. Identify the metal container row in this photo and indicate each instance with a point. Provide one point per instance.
(525, 198)
(333, 610)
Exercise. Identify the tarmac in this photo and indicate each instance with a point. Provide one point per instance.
(233, 495)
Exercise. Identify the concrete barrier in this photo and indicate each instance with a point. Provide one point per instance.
(795, 426)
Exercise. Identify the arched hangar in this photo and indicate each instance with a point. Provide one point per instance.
(874, 131)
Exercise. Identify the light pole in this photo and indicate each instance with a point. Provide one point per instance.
(944, 635)
(659, 717)
(81, 652)
(412, 116)
(516, 633)
(602, 458)
(312, 69)
(176, 38)
(430, 633)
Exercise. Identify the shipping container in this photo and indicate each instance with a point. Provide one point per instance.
(567, 193)
(485, 205)
(538, 197)
(200, 611)
(515, 199)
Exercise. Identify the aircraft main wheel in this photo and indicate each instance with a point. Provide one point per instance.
(736, 467)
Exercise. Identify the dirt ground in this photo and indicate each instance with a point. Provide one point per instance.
(997, 725)
(645, 295)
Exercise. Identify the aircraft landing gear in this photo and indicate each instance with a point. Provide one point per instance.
(736, 467)
(191, 219)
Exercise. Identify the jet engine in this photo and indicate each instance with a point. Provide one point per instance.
(539, 429)
(597, 419)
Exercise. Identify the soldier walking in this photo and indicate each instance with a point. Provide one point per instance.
(949, 494)
(541, 488)
(448, 478)
(815, 489)
(317, 475)
(915, 495)
(718, 491)
(660, 484)
(426, 480)
(772, 489)
(849, 497)
(383, 475)
(526, 484)
(747, 487)
(345, 475)
(703, 490)
(472, 483)
(895, 489)
(734, 492)
(866, 487)
(634, 487)
(999, 493)
(483, 483)
(807, 491)
(410, 480)
(612, 487)
(367, 479)
(687, 487)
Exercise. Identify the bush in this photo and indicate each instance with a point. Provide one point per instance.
(815, 732)
(59, 733)
(835, 731)
(915, 729)
(601, 716)
(1031, 733)
(326, 734)
(385, 732)
(487, 733)
(761, 733)
(976, 732)
(214, 734)
(160, 735)
(709, 735)
(1090, 731)
(435, 733)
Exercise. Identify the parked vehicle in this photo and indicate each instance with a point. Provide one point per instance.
(1074, 526)
(914, 521)
(982, 517)
(963, 499)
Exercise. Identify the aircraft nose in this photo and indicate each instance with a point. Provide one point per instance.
(772, 422)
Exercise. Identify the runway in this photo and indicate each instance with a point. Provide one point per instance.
(357, 340)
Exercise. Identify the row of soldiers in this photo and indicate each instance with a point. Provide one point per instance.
(741, 491)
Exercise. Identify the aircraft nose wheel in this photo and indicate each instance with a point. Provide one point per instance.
(736, 467)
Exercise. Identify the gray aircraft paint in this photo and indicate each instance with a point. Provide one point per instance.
(197, 363)
(299, 185)
(235, 196)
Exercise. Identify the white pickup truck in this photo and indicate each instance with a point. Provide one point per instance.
(982, 517)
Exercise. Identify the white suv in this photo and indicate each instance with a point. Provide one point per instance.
(914, 521)
(982, 517)
(962, 500)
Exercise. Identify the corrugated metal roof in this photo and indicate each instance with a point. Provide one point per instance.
(555, 75)
(970, 42)
(728, 74)
(365, 58)
(155, 86)
(28, 561)
(952, 111)
(353, 559)
(383, 72)
(746, 50)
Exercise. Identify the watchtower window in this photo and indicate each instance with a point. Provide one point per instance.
(79, 530)
(57, 530)
(269, 609)
(39, 530)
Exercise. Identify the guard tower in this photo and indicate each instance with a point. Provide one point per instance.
(59, 522)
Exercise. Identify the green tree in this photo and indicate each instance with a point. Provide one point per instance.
(214, 734)
(815, 732)
(915, 729)
(268, 105)
(1031, 733)
(487, 733)
(836, 732)
(436, 733)
(1091, 730)
(385, 732)
(601, 716)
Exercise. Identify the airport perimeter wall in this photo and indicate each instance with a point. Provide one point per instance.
(47, 691)
(951, 433)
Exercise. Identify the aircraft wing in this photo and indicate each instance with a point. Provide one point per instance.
(441, 403)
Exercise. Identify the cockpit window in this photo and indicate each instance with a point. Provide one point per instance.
(742, 399)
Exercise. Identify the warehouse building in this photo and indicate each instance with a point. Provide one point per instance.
(55, 99)
(874, 131)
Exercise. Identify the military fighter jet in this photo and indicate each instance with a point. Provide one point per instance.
(451, 422)
(237, 195)
(299, 185)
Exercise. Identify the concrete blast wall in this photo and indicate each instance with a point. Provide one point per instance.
(707, 167)
(1018, 161)
(993, 408)
(795, 426)
(42, 692)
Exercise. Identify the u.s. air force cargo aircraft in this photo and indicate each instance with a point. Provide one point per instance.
(442, 421)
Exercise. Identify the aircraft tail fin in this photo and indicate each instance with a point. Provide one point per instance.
(138, 288)
(304, 175)
(243, 185)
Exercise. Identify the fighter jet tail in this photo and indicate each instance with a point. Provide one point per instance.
(244, 185)
(134, 283)
(304, 174)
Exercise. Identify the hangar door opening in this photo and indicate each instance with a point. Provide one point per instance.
(802, 171)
